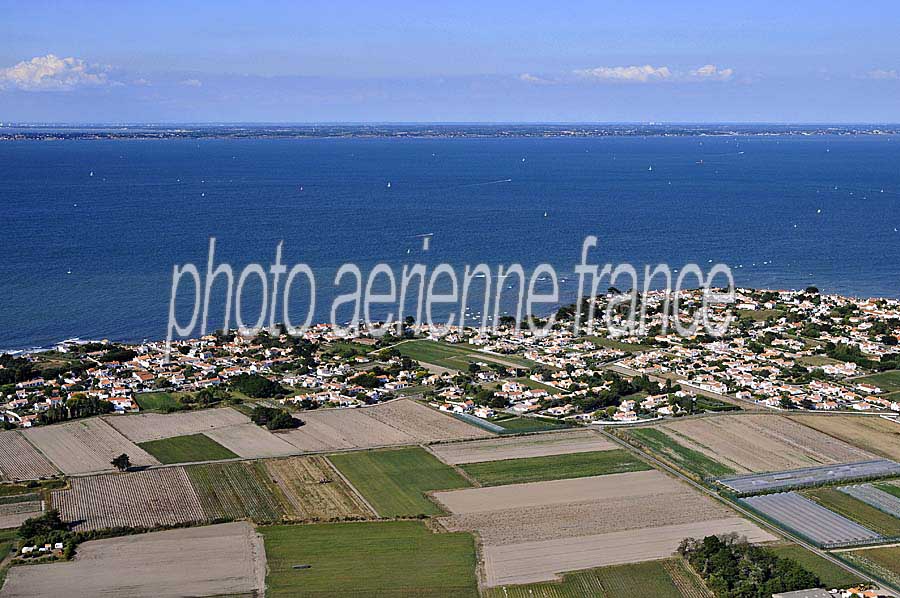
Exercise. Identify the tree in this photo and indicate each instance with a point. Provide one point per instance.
(122, 462)
(256, 386)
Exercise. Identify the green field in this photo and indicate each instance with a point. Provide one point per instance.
(394, 481)
(164, 402)
(883, 563)
(385, 558)
(553, 467)
(522, 425)
(670, 578)
(855, 509)
(817, 360)
(529, 383)
(455, 357)
(886, 381)
(8, 543)
(236, 491)
(831, 575)
(186, 449)
(681, 456)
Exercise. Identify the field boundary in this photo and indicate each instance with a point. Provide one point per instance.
(352, 487)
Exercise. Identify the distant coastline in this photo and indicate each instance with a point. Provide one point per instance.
(51, 131)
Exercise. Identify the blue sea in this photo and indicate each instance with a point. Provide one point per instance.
(90, 229)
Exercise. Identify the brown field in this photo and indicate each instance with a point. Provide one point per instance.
(250, 441)
(759, 443)
(540, 445)
(307, 499)
(14, 514)
(874, 434)
(217, 560)
(423, 423)
(530, 562)
(156, 426)
(531, 532)
(140, 499)
(337, 429)
(21, 461)
(85, 446)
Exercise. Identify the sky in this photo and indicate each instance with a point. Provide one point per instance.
(462, 61)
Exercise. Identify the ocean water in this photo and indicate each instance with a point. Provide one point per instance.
(92, 256)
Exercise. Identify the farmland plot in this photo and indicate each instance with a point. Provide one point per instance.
(757, 443)
(13, 514)
(423, 423)
(21, 461)
(302, 481)
(141, 499)
(85, 446)
(235, 491)
(874, 497)
(497, 449)
(814, 521)
(217, 560)
(874, 434)
(156, 426)
(337, 429)
(250, 441)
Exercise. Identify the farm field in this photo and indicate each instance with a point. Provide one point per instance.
(759, 443)
(831, 575)
(856, 510)
(305, 498)
(250, 441)
(19, 460)
(537, 561)
(187, 449)
(15, 510)
(802, 515)
(164, 402)
(156, 426)
(140, 499)
(235, 491)
(85, 446)
(886, 381)
(389, 559)
(395, 481)
(687, 459)
(508, 515)
(554, 467)
(496, 449)
(881, 562)
(455, 357)
(669, 578)
(423, 423)
(523, 425)
(217, 560)
(874, 434)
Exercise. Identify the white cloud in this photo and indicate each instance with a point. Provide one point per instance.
(711, 72)
(638, 74)
(192, 83)
(51, 73)
(529, 78)
(883, 74)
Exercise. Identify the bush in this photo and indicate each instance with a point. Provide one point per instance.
(256, 386)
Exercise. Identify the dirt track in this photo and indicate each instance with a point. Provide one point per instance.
(216, 560)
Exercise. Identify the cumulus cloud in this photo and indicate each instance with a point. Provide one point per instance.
(51, 73)
(192, 82)
(711, 72)
(637, 74)
(882, 74)
(529, 78)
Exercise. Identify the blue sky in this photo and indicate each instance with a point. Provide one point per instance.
(462, 61)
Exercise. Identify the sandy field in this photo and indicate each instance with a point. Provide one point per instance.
(336, 429)
(250, 441)
(759, 443)
(225, 559)
(530, 562)
(299, 480)
(874, 434)
(85, 446)
(21, 461)
(518, 447)
(14, 514)
(423, 423)
(140, 499)
(156, 426)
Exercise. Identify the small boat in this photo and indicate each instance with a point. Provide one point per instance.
(389, 185)
(545, 214)
(649, 169)
(92, 173)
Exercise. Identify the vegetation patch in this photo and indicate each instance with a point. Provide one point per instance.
(554, 467)
(395, 481)
(883, 563)
(236, 491)
(523, 425)
(856, 510)
(187, 449)
(456, 357)
(681, 456)
(392, 558)
(163, 402)
(831, 575)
